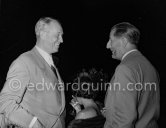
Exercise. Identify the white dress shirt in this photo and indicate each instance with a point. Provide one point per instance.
(47, 57)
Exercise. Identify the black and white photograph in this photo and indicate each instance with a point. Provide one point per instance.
(82, 63)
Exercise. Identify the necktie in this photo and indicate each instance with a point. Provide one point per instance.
(54, 70)
(57, 84)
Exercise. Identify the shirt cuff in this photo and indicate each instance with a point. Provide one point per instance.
(32, 122)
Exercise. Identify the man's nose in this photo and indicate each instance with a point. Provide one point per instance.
(108, 45)
(61, 39)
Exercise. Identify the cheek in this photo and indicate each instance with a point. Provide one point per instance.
(52, 38)
(55, 39)
(116, 45)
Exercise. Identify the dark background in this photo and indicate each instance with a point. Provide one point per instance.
(86, 25)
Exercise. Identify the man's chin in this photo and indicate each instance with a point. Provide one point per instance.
(115, 57)
(56, 50)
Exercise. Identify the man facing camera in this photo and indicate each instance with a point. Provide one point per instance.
(33, 94)
(132, 99)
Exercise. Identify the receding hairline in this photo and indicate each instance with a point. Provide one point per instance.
(124, 25)
(46, 21)
(127, 30)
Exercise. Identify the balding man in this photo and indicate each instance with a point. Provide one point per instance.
(33, 94)
(133, 98)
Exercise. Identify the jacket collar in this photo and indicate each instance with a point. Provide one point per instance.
(133, 50)
(133, 54)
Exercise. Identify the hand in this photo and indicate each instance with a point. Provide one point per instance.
(103, 111)
(75, 104)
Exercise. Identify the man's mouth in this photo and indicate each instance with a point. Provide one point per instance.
(57, 45)
(113, 52)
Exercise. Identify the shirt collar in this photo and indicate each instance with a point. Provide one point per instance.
(47, 57)
(128, 53)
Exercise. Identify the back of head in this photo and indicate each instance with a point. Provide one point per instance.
(84, 86)
(127, 30)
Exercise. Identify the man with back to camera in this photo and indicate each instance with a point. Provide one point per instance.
(135, 101)
(33, 94)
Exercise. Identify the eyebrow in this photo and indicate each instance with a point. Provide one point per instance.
(60, 33)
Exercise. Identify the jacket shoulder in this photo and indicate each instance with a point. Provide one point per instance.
(24, 60)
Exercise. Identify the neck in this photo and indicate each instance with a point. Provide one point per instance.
(40, 43)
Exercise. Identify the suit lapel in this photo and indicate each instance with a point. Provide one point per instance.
(61, 89)
(43, 62)
(46, 67)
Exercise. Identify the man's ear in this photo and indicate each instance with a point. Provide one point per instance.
(124, 42)
(43, 31)
(43, 34)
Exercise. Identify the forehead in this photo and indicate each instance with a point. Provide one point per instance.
(112, 35)
(55, 27)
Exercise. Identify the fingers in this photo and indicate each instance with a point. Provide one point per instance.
(74, 100)
(103, 111)
(73, 103)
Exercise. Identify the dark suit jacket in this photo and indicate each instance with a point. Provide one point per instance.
(30, 90)
(132, 100)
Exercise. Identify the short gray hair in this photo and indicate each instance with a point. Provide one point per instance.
(42, 22)
(127, 30)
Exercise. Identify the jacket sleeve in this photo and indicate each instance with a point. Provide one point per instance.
(122, 100)
(13, 92)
